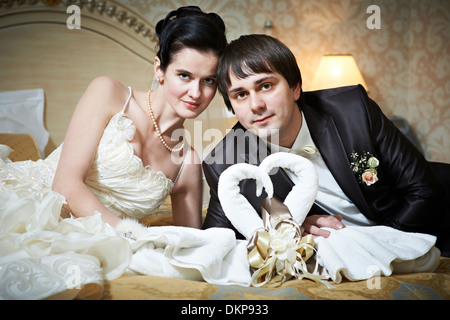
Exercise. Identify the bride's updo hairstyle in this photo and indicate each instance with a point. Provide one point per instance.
(189, 27)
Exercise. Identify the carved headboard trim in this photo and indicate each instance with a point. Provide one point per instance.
(106, 17)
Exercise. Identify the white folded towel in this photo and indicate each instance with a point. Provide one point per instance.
(358, 253)
(213, 255)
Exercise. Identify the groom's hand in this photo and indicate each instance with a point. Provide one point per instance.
(314, 223)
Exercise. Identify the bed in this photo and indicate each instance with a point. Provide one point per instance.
(43, 53)
(418, 286)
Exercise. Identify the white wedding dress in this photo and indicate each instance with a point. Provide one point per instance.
(43, 255)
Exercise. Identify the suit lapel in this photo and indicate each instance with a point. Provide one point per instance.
(327, 139)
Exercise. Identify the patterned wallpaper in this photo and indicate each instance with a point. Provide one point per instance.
(405, 62)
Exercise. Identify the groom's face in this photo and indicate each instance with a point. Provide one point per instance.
(265, 104)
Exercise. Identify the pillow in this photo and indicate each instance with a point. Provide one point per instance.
(22, 111)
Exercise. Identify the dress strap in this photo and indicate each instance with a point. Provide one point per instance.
(182, 166)
(128, 100)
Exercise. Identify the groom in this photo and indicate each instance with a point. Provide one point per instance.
(260, 82)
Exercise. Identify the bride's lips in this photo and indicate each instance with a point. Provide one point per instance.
(191, 105)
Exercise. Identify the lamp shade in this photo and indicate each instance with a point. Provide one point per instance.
(337, 71)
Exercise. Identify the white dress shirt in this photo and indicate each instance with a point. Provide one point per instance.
(330, 196)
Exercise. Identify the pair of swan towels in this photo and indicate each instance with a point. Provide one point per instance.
(277, 251)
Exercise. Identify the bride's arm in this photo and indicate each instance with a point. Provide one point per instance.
(187, 194)
(99, 102)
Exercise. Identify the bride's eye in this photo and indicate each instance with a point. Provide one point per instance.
(210, 81)
(184, 76)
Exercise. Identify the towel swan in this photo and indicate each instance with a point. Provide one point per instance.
(354, 252)
(299, 200)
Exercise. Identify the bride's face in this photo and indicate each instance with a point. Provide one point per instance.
(190, 82)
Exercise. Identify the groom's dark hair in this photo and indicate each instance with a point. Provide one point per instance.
(253, 54)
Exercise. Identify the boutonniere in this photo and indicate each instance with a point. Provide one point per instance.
(364, 167)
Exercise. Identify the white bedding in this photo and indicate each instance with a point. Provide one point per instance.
(22, 111)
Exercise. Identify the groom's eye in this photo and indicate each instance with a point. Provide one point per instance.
(266, 86)
(240, 95)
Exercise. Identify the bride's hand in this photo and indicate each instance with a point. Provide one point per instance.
(314, 223)
(130, 228)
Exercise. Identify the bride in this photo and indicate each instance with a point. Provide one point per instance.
(118, 160)
(98, 164)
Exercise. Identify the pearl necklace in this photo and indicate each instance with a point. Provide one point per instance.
(152, 116)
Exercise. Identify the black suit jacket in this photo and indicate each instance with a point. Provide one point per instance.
(408, 194)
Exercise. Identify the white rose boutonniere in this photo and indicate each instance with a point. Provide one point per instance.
(364, 167)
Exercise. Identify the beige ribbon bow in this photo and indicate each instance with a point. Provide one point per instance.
(279, 252)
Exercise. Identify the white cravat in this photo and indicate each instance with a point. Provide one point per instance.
(330, 196)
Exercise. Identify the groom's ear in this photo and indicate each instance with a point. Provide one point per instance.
(297, 91)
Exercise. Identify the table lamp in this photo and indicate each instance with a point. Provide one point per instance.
(337, 70)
